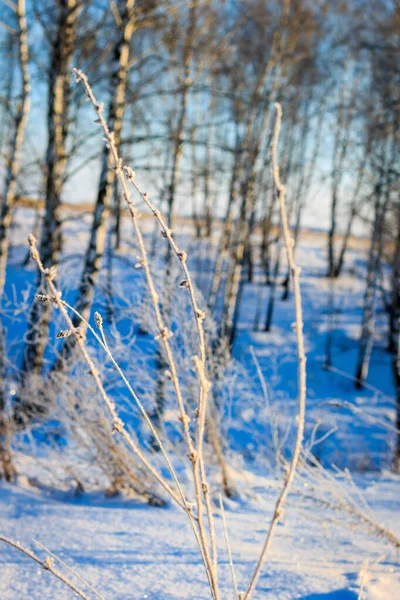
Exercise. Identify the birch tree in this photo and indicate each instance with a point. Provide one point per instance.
(13, 160)
(58, 123)
(382, 193)
(7, 468)
(115, 115)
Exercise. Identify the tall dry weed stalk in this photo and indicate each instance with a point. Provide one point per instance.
(300, 419)
(199, 512)
(48, 565)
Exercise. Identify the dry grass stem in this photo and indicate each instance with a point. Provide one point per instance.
(195, 453)
(295, 273)
(47, 565)
(118, 426)
(228, 548)
(72, 571)
(325, 481)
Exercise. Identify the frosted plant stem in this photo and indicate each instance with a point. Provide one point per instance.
(363, 578)
(46, 564)
(164, 334)
(74, 573)
(295, 273)
(228, 548)
(200, 361)
(118, 425)
(103, 343)
(271, 417)
(195, 454)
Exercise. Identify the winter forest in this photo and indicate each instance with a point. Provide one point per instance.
(200, 299)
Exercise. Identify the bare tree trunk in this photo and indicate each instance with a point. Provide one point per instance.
(118, 209)
(256, 124)
(56, 161)
(207, 191)
(235, 282)
(177, 150)
(5, 123)
(332, 236)
(345, 244)
(368, 320)
(109, 313)
(383, 190)
(118, 83)
(341, 145)
(247, 257)
(271, 300)
(396, 374)
(353, 212)
(226, 232)
(266, 237)
(15, 151)
(330, 319)
(194, 185)
(266, 225)
(256, 128)
(249, 260)
(236, 264)
(182, 116)
(7, 468)
(394, 304)
(95, 250)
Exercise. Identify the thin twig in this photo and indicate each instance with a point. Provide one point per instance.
(46, 564)
(199, 361)
(70, 569)
(118, 425)
(164, 335)
(326, 481)
(363, 577)
(295, 273)
(10, 4)
(228, 548)
(271, 418)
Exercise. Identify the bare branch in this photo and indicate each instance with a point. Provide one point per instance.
(295, 273)
(46, 564)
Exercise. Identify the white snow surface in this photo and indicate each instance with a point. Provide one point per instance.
(128, 551)
(320, 551)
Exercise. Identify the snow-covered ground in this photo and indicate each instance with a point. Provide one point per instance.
(323, 549)
(128, 551)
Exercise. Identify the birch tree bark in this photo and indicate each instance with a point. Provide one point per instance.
(227, 228)
(368, 319)
(393, 307)
(354, 206)
(341, 146)
(177, 141)
(116, 110)
(16, 146)
(396, 373)
(255, 129)
(58, 122)
(7, 468)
